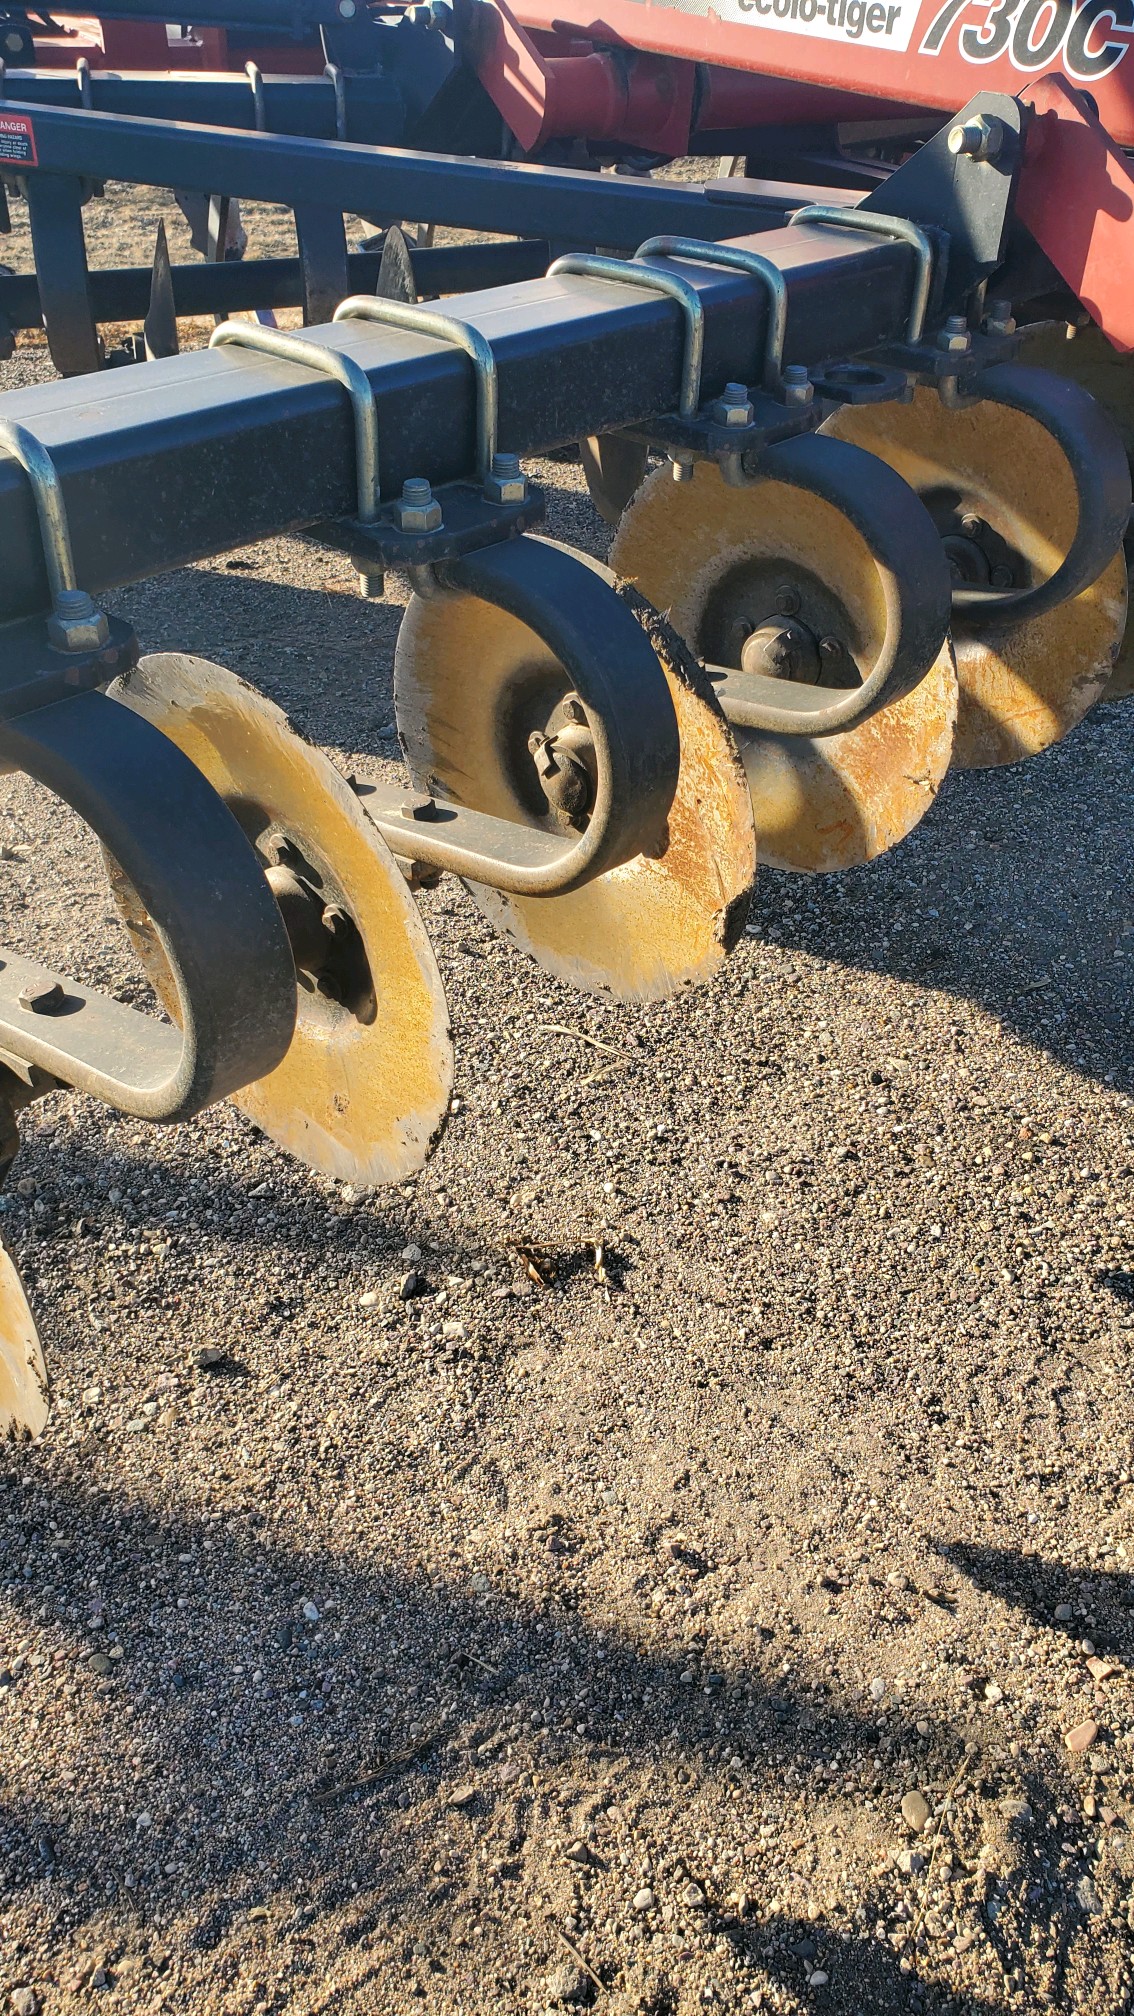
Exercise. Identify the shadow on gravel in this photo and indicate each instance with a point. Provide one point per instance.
(1044, 1588)
(296, 1733)
(323, 1770)
(1014, 893)
(1120, 1281)
(795, 1951)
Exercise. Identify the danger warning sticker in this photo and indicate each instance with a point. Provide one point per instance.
(17, 141)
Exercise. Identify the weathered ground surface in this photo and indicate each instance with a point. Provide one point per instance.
(533, 1645)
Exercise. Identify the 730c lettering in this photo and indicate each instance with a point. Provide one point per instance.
(1088, 40)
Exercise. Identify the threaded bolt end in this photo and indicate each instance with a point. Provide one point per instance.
(417, 491)
(506, 467)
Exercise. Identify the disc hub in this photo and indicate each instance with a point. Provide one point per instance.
(325, 941)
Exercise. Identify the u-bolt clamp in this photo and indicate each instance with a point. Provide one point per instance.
(595, 266)
(337, 81)
(500, 475)
(255, 78)
(848, 218)
(353, 379)
(333, 364)
(74, 623)
(752, 263)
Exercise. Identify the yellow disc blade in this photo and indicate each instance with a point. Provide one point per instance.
(365, 1084)
(1026, 684)
(703, 550)
(24, 1404)
(642, 930)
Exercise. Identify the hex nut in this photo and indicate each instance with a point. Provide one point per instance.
(419, 517)
(506, 489)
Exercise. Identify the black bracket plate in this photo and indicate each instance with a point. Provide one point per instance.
(469, 522)
(34, 674)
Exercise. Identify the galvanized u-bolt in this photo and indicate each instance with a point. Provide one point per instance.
(74, 623)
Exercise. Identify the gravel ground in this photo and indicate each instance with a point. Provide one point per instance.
(729, 1604)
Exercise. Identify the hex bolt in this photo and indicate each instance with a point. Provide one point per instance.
(682, 463)
(75, 624)
(371, 583)
(971, 527)
(40, 1000)
(1000, 577)
(419, 805)
(981, 138)
(787, 602)
(798, 389)
(541, 749)
(418, 509)
(506, 482)
(955, 335)
(733, 408)
(999, 319)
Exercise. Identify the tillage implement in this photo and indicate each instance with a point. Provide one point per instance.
(859, 535)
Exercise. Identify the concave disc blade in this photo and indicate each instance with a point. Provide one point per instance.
(24, 1405)
(642, 930)
(1023, 685)
(365, 1084)
(822, 802)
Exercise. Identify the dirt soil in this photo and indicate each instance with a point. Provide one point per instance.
(727, 1606)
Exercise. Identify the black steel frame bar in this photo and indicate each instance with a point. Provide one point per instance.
(194, 455)
(303, 107)
(288, 16)
(229, 287)
(515, 198)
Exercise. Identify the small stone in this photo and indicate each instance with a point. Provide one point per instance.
(693, 1895)
(369, 1300)
(454, 1331)
(910, 1862)
(1081, 1736)
(1091, 1806)
(411, 1284)
(915, 1811)
(644, 1900)
(25, 2002)
(1016, 1810)
(818, 1979)
(209, 1357)
(993, 1692)
(100, 1978)
(100, 1663)
(877, 1689)
(567, 1987)
(1101, 1669)
(1063, 1613)
(1088, 1896)
(311, 1613)
(462, 1797)
(410, 1254)
(578, 1852)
